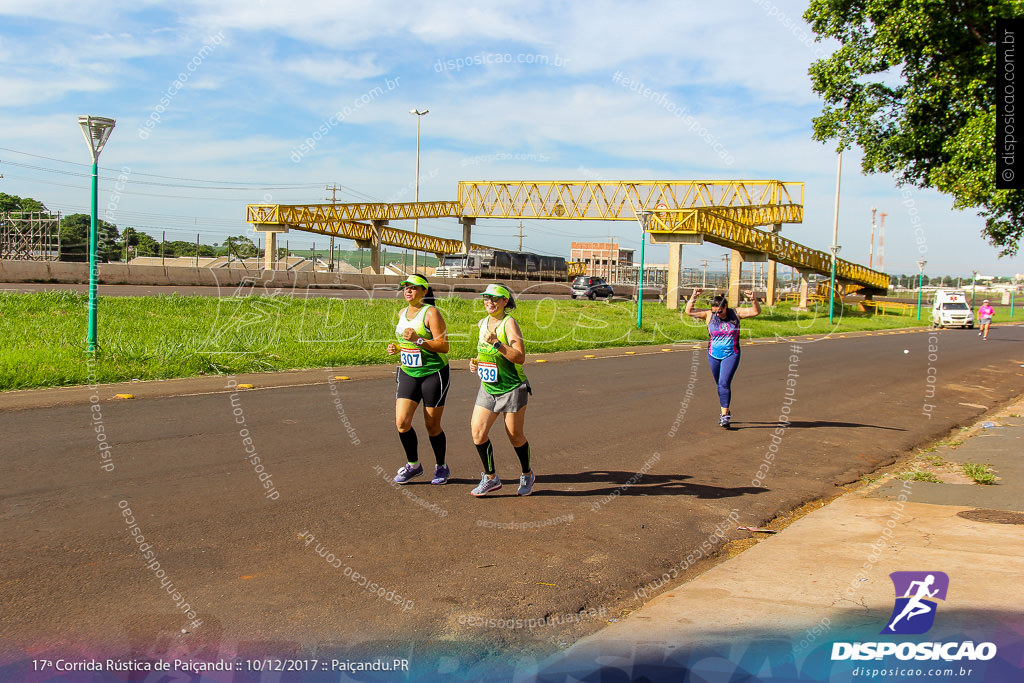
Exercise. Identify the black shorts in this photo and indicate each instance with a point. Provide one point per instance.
(431, 389)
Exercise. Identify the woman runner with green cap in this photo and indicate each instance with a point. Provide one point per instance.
(422, 376)
(503, 389)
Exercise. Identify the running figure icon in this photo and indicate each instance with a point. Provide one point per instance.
(916, 605)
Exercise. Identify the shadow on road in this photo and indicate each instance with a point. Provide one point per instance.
(798, 424)
(628, 485)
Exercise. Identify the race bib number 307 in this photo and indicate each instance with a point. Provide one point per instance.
(411, 358)
(488, 372)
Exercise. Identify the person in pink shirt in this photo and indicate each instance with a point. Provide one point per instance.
(985, 318)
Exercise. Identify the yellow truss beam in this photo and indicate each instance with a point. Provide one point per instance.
(326, 219)
(719, 227)
(279, 214)
(724, 211)
(616, 200)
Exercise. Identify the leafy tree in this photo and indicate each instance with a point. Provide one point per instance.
(913, 84)
(137, 243)
(10, 203)
(147, 246)
(34, 205)
(74, 238)
(182, 248)
(241, 247)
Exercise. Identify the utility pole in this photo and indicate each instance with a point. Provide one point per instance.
(704, 282)
(881, 242)
(871, 246)
(334, 200)
(520, 236)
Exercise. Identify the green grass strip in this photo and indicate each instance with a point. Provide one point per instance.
(43, 335)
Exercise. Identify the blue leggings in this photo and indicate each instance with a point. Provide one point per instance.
(723, 370)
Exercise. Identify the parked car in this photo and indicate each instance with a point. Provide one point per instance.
(590, 287)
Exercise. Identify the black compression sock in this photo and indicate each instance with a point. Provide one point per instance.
(486, 452)
(523, 453)
(439, 442)
(409, 443)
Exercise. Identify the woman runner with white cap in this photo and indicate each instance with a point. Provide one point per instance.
(423, 375)
(504, 389)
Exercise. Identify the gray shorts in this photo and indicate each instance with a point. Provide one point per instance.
(509, 402)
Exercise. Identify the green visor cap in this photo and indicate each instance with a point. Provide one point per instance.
(415, 280)
(496, 290)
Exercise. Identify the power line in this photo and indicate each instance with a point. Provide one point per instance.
(262, 186)
(121, 178)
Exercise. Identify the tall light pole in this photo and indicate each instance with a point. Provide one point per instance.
(835, 241)
(416, 221)
(920, 276)
(96, 130)
(644, 217)
(871, 246)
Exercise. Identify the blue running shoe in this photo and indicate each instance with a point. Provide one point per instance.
(486, 485)
(407, 473)
(526, 484)
(441, 474)
(724, 420)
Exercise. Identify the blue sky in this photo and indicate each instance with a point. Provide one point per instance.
(520, 90)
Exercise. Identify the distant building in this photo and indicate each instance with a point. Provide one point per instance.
(603, 259)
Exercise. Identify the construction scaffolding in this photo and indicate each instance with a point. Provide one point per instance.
(30, 236)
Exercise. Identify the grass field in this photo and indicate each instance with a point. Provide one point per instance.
(43, 335)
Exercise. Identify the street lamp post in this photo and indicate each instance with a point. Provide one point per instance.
(920, 276)
(835, 242)
(974, 286)
(416, 221)
(96, 130)
(643, 218)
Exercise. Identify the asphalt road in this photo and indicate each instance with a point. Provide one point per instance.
(635, 481)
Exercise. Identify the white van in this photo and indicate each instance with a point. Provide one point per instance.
(951, 309)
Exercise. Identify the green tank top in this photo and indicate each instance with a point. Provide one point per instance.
(497, 374)
(416, 360)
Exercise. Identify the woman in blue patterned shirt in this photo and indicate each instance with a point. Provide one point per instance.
(723, 342)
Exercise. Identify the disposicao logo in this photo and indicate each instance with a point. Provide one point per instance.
(914, 611)
(912, 614)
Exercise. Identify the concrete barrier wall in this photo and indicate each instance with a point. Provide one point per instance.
(121, 273)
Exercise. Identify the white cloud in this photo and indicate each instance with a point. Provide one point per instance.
(327, 70)
(281, 71)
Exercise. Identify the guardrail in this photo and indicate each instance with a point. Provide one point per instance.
(889, 307)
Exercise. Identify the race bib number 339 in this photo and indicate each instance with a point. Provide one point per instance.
(411, 358)
(488, 372)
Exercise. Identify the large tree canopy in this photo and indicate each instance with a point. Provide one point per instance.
(913, 84)
(74, 237)
(13, 203)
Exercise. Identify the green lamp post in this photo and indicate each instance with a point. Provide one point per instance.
(920, 276)
(96, 130)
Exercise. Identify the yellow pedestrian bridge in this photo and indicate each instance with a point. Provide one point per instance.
(674, 212)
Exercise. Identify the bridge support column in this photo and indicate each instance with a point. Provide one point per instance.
(270, 253)
(805, 284)
(270, 232)
(675, 257)
(467, 225)
(374, 245)
(735, 271)
(769, 295)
